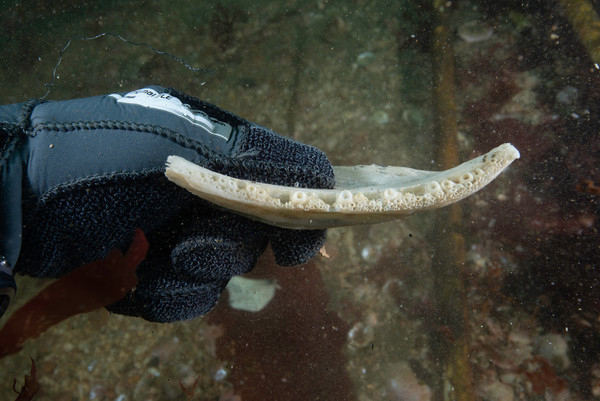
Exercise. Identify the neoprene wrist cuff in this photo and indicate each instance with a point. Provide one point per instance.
(8, 287)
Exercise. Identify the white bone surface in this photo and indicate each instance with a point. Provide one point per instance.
(363, 194)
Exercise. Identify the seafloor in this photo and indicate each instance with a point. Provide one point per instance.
(379, 317)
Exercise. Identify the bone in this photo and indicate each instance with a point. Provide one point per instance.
(362, 195)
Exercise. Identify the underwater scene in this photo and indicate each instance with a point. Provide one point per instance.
(495, 297)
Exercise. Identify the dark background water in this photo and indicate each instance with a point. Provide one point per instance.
(357, 79)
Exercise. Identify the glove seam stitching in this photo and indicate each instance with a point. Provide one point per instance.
(227, 164)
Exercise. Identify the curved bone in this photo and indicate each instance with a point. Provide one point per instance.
(363, 194)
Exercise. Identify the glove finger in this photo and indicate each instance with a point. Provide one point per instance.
(219, 248)
(169, 299)
(164, 295)
(188, 282)
(294, 247)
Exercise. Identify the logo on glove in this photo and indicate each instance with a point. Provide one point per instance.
(148, 97)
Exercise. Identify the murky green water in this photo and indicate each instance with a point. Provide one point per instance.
(518, 316)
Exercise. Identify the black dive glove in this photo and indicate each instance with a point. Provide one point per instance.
(78, 176)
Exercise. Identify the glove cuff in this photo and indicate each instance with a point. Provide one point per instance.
(8, 287)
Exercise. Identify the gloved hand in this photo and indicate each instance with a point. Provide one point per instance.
(78, 176)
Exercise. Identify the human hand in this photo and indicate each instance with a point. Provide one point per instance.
(94, 171)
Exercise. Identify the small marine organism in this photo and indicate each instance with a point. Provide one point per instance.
(588, 187)
(30, 385)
